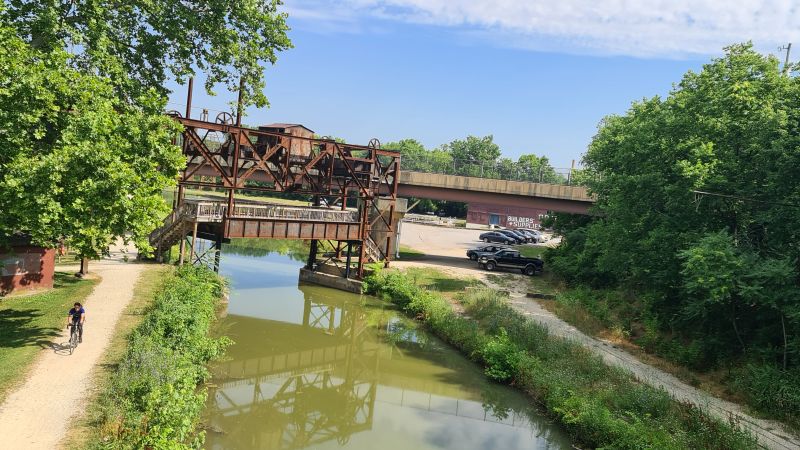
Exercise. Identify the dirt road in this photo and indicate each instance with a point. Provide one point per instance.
(445, 249)
(36, 415)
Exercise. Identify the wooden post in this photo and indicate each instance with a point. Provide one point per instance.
(194, 240)
(182, 246)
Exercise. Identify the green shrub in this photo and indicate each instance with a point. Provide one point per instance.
(153, 400)
(599, 405)
(772, 389)
(502, 357)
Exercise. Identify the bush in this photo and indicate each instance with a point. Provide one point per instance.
(601, 406)
(771, 389)
(501, 357)
(153, 400)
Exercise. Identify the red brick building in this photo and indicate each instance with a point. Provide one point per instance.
(504, 216)
(24, 266)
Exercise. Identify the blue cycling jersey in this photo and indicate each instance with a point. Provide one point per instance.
(76, 314)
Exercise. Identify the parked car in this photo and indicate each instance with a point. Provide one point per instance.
(515, 239)
(522, 236)
(531, 237)
(510, 259)
(496, 236)
(473, 253)
(539, 236)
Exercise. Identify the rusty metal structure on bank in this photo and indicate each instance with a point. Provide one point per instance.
(353, 190)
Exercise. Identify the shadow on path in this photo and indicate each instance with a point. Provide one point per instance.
(17, 329)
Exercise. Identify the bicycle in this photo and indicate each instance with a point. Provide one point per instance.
(74, 337)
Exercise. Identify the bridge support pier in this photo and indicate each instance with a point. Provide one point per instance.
(312, 255)
(349, 254)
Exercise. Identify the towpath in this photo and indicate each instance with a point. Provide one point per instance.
(37, 415)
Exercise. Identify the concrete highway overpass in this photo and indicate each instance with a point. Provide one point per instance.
(553, 197)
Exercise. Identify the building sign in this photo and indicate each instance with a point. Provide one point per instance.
(20, 265)
(520, 222)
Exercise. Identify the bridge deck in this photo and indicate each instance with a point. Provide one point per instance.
(266, 221)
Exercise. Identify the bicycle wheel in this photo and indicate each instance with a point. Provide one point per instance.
(73, 339)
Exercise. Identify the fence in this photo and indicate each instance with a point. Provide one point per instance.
(499, 170)
(294, 213)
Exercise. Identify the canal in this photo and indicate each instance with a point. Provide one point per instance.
(317, 368)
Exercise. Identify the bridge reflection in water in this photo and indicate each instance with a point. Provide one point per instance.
(324, 369)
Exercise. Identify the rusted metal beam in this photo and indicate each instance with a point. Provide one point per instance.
(276, 161)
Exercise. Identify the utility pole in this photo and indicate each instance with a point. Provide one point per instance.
(788, 49)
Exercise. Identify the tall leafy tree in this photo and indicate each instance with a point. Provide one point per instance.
(698, 206)
(139, 44)
(85, 149)
(474, 149)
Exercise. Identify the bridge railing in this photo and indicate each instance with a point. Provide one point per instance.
(498, 170)
(215, 211)
(294, 213)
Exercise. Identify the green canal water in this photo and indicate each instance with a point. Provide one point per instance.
(317, 368)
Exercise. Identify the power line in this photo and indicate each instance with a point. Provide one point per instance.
(746, 199)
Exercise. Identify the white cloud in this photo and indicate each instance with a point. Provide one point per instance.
(659, 28)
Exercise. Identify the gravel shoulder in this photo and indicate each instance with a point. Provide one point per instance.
(38, 414)
(445, 249)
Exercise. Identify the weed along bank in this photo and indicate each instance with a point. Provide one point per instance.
(155, 396)
(599, 406)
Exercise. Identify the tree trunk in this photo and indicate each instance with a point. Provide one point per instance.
(84, 266)
(785, 341)
(736, 328)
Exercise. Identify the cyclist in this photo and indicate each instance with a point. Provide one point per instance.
(76, 316)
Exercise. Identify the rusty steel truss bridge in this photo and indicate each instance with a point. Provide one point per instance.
(353, 189)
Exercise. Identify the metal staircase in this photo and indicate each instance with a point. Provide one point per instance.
(172, 230)
(372, 251)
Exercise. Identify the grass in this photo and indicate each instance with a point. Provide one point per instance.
(156, 390)
(599, 405)
(31, 323)
(616, 317)
(150, 281)
(409, 254)
(69, 259)
(436, 280)
(530, 251)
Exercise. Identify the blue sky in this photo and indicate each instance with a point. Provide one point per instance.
(432, 71)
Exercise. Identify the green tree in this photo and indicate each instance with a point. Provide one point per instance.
(697, 209)
(475, 150)
(76, 161)
(139, 44)
(85, 149)
(538, 169)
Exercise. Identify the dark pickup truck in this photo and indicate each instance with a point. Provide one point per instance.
(511, 259)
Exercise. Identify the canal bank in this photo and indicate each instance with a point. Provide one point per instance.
(601, 406)
(314, 367)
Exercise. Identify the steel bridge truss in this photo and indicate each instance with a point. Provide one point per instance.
(235, 158)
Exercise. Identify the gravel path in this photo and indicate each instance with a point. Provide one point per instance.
(37, 415)
(446, 251)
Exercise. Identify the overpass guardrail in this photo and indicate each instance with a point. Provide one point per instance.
(498, 170)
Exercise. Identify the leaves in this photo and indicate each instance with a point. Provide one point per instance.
(725, 267)
(138, 45)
